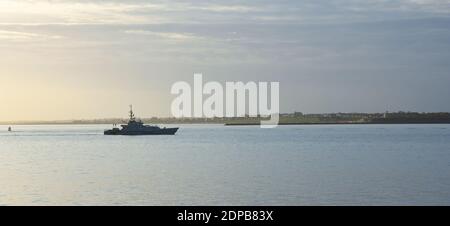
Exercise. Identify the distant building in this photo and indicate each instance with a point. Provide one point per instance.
(298, 114)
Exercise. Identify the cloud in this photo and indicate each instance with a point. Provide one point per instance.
(165, 35)
(46, 12)
(411, 6)
(75, 12)
(25, 36)
(225, 8)
(20, 12)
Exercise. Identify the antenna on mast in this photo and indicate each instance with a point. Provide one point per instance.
(132, 118)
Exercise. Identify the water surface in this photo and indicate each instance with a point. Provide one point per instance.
(217, 165)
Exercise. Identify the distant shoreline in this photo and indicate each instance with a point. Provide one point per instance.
(237, 124)
(296, 118)
(333, 123)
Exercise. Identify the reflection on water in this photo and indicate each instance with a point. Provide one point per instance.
(217, 165)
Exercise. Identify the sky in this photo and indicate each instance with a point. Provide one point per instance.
(80, 59)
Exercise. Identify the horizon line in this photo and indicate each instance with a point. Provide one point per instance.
(87, 120)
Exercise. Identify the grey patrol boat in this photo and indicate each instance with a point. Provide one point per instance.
(136, 127)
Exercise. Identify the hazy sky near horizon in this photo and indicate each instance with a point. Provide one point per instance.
(80, 59)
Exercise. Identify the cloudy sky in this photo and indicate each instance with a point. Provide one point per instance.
(80, 59)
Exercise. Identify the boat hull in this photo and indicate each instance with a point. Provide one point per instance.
(165, 131)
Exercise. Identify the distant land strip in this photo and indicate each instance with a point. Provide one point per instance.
(342, 123)
(296, 118)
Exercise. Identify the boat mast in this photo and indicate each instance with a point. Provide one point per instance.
(132, 118)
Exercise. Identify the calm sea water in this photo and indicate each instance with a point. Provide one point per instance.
(217, 165)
